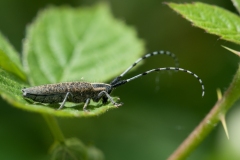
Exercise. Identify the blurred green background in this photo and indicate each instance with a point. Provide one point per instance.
(159, 110)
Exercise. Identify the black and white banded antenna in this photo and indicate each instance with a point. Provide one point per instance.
(118, 82)
(145, 57)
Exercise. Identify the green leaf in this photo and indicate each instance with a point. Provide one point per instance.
(213, 19)
(10, 60)
(236, 3)
(94, 153)
(66, 44)
(10, 90)
(74, 149)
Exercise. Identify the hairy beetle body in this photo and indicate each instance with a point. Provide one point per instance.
(78, 92)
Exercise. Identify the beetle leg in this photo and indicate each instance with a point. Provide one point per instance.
(104, 99)
(86, 104)
(109, 97)
(65, 99)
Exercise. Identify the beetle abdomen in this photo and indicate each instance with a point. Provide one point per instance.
(54, 98)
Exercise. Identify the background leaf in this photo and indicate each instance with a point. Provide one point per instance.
(71, 149)
(66, 44)
(74, 149)
(10, 60)
(213, 19)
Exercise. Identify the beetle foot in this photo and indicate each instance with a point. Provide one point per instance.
(118, 104)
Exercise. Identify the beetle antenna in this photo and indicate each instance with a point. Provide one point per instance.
(121, 82)
(117, 79)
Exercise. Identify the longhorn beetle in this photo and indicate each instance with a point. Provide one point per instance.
(84, 91)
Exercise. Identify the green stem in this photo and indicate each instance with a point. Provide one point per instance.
(210, 121)
(54, 127)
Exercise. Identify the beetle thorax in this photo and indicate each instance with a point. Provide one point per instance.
(102, 87)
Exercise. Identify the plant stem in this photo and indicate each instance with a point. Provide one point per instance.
(54, 127)
(210, 121)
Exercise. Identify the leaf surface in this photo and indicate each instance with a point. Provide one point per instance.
(65, 44)
(213, 19)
